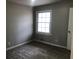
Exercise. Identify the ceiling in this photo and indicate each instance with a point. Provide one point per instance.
(33, 2)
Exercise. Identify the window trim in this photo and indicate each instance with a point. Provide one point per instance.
(37, 21)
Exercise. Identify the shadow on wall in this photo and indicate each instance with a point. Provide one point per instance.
(19, 24)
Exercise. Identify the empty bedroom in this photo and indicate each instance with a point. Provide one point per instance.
(39, 29)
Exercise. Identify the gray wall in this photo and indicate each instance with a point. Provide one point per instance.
(18, 24)
(59, 23)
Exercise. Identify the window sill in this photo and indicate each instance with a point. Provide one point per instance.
(43, 33)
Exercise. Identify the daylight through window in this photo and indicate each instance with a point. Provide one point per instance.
(44, 22)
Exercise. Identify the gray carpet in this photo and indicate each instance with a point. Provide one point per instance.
(36, 50)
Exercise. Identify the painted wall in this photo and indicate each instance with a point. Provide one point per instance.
(59, 23)
(18, 24)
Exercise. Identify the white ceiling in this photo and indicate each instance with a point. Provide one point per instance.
(33, 2)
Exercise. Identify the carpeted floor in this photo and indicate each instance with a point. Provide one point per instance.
(36, 50)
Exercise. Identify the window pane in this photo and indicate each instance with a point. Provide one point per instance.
(42, 24)
(43, 19)
(39, 19)
(47, 19)
(44, 14)
(43, 30)
(47, 14)
(39, 14)
(39, 24)
(47, 25)
(47, 29)
(39, 29)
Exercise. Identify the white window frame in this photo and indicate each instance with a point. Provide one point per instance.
(37, 21)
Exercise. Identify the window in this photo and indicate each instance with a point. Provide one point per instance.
(43, 22)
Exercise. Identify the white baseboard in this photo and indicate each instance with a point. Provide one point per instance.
(17, 45)
(51, 44)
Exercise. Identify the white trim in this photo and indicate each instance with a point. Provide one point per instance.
(17, 45)
(51, 44)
